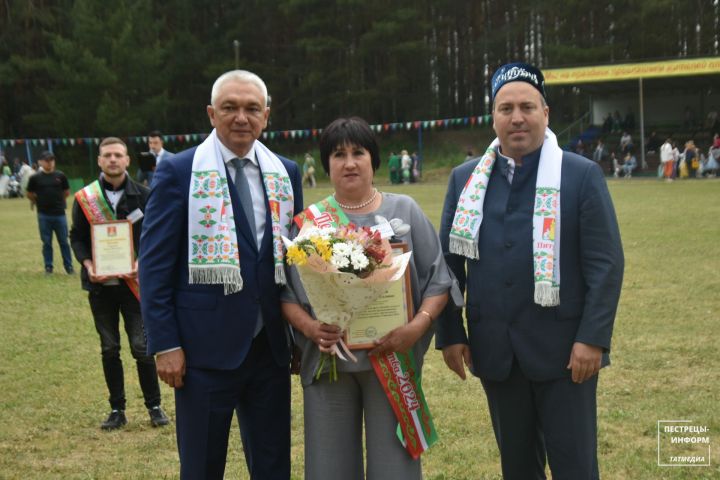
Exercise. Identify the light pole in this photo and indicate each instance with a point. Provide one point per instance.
(236, 46)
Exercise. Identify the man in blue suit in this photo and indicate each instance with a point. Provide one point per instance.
(210, 275)
(531, 235)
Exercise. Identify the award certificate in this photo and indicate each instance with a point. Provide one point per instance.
(391, 310)
(112, 248)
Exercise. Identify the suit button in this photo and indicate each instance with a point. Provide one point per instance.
(508, 244)
(508, 283)
(257, 299)
(510, 209)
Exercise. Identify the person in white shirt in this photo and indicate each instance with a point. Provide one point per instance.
(667, 159)
(626, 143)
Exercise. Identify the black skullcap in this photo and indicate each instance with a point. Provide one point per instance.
(518, 72)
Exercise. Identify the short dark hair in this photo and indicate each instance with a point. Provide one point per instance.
(156, 133)
(46, 155)
(112, 141)
(348, 131)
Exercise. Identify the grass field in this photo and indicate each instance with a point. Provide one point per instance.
(666, 364)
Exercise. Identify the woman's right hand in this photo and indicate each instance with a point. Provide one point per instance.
(325, 336)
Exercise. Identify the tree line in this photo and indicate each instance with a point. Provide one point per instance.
(94, 68)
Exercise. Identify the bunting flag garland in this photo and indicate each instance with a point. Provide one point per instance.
(302, 134)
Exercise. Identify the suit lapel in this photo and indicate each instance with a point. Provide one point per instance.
(267, 233)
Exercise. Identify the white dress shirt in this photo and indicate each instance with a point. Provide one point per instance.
(159, 156)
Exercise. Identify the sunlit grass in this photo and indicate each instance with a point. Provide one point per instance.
(665, 356)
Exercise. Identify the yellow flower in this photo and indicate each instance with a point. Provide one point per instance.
(296, 256)
(323, 248)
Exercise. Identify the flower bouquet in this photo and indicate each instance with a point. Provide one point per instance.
(343, 270)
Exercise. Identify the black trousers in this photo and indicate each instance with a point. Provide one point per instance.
(107, 303)
(556, 419)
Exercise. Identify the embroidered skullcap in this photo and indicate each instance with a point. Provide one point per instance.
(518, 72)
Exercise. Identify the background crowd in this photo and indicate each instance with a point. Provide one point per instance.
(672, 158)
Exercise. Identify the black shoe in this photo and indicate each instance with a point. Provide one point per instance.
(157, 416)
(115, 420)
(70, 271)
(48, 270)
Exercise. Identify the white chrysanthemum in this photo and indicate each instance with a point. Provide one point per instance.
(343, 249)
(339, 261)
(359, 260)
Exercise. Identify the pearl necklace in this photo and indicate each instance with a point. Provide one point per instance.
(359, 206)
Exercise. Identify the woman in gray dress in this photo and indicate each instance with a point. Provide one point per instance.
(336, 411)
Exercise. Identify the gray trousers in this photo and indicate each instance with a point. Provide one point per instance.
(334, 431)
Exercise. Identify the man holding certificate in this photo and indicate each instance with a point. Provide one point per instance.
(107, 216)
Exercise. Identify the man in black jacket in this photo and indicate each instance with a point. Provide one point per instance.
(115, 196)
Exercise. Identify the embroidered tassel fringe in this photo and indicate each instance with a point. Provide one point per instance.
(546, 295)
(229, 276)
(465, 247)
(280, 275)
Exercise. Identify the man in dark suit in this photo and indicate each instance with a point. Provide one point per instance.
(210, 275)
(151, 159)
(531, 234)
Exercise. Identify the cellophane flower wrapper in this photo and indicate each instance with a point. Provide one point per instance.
(337, 297)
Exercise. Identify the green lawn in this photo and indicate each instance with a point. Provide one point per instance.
(665, 357)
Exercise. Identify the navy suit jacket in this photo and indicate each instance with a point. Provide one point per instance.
(215, 330)
(502, 319)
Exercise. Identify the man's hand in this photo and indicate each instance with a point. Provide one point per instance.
(171, 367)
(90, 267)
(584, 362)
(457, 355)
(133, 273)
